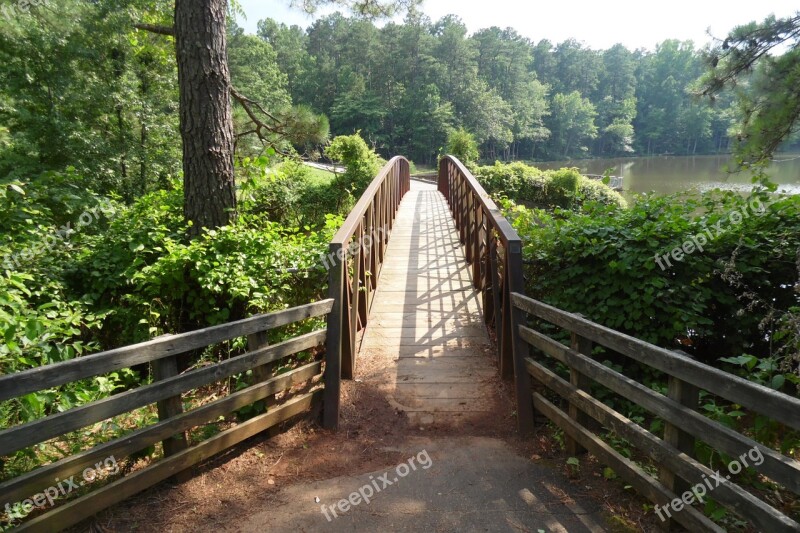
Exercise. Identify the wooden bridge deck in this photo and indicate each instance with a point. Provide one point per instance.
(426, 345)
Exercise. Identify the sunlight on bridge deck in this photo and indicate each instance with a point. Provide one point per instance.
(426, 344)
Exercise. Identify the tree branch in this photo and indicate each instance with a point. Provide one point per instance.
(155, 28)
(259, 125)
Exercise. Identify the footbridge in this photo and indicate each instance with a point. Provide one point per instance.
(427, 305)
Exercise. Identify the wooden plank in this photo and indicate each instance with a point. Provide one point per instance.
(763, 516)
(45, 377)
(73, 512)
(626, 469)
(504, 228)
(775, 405)
(25, 435)
(21, 487)
(257, 341)
(780, 468)
(519, 349)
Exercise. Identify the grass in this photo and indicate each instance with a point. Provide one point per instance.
(318, 176)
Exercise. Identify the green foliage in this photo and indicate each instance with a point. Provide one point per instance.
(154, 280)
(562, 186)
(275, 193)
(360, 161)
(107, 106)
(602, 262)
(572, 124)
(545, 189)
(462, 144)
(406, 85)
(767, 83)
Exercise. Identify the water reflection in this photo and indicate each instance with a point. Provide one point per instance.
(670, 174)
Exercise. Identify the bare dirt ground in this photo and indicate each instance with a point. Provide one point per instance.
(248, 477)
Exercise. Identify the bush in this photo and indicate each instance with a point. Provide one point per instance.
(545, 189)
(153, 279)
(562, 186)
(596, 191)
(735, 296)
(462, 145)
(273, 192)
(361, 162)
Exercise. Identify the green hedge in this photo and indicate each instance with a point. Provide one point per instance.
(545, 188)
(736, 295)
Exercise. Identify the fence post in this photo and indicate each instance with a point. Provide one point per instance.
(584, 346)
(333, 349)
(522, 380)
(165, 368)
(688, 395)
(262, 373)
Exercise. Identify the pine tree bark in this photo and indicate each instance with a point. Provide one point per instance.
(206, 120)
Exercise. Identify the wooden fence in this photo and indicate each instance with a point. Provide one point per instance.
(165, 391)
(356, 256)
(494, 251)
(674, 451)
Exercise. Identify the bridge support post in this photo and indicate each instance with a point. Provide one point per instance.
(165, 368)
(688, 395)
(333, 347)
(522, 379)
(264, 372)
(584, 346)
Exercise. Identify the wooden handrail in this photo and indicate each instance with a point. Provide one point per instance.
(355, 258)
(172, 424)
(48, 376)
(674, 451)
(777, 406)
(494, 251)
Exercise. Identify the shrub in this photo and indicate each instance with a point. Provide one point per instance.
(734, 296)
(596, 191)
(562, 186)
(274, 193)
(462, 145)
(153, 279)
(360, 161)
(545, 189)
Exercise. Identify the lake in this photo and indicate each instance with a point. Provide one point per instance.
(670, 174)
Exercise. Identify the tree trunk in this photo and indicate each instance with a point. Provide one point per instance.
(206, 121)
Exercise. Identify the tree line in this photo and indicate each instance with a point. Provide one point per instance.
(91, 87)
(405, 85)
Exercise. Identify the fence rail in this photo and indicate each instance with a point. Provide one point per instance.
(494, 251)
(356, 255)
(165, 391)
(674, 451)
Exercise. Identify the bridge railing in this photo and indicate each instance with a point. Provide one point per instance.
(581, 415)
(493, 250)
(356, 255)
(37, 491)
